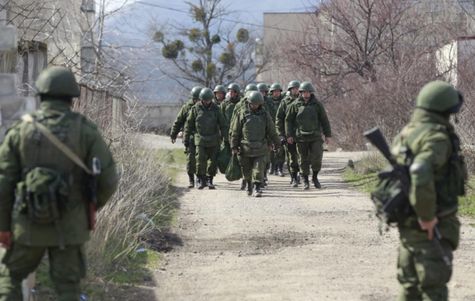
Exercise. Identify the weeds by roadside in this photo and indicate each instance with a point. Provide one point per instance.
(364, 176)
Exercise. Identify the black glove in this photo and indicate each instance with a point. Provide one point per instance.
(187, 144)
(283, 141)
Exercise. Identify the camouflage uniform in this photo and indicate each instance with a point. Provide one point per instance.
(437, 179)
(207, 124)
(290, 149)
(277, 158)
(305, 122)
(178, 126)
(251, 133)
(24, 152)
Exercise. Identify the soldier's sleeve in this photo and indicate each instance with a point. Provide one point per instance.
(10, 174)
(290, 122)
(280, 119)
(233, 119)
(325, 123)
(270, 131)
(108, 180)
(222, 126)
(179, 122)
(189, 125)
(236, 132)
(433, 155)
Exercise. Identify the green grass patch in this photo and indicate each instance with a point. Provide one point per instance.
(364, 177)
(174, 159)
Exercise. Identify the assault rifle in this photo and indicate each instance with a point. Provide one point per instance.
(394, 200)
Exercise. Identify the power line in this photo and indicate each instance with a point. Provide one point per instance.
(221, 18)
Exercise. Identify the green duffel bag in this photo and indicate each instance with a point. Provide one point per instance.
(224, 156)
(233, 171)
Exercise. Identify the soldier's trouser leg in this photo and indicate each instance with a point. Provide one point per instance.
(246, 164)
(273, 158)
(191, 159)
(316, 155)
(201, 160)
(303, 150)
(213, 160)
(422, 273)
(292, 158)
(258, 169)
(67, 267)
(280, 156)
(19, 261)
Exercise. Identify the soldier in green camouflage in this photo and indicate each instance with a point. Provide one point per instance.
(438, 176)
(219, 94)
(178, 127)
(277, 158)
(251, 134)
(242, 104)
(269, 107)
(44, 196)
(207, 125)
(290, 149)
(305, 123)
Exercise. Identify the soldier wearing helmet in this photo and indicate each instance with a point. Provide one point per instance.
(44, 198)
(251, 133)
(438, 176)
(305, 123)
(269, 107)
(207, 126)
(227, 109)
(178, 127)
(277, 158)
(219, 94)
(290, 149)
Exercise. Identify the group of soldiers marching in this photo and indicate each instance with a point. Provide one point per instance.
(263, 126)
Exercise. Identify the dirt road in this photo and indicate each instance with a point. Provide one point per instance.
(289, 245)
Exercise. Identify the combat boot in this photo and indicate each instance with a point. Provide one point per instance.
(210, 183)
(191, 178)
(271, 169)
(280, 171)
(243, 184)
(202, 182)
(306, 184)
(249, 188)
(257, 190)
(315, 181)
(294, 182)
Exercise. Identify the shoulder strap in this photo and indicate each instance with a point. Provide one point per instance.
(53, 139)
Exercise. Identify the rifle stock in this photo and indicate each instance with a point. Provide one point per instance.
(376, 138)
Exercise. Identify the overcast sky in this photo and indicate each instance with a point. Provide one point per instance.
(248, 10)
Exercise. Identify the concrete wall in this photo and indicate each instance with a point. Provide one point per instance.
(159, 117)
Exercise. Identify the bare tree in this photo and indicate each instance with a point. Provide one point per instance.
(369, 58)
(209, 53)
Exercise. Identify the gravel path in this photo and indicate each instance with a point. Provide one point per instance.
(289, 245)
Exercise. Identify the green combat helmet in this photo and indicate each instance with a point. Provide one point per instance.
(262, 87)
(206, 94)
(235, 87)
(306, 86)
(57, 81)
(275, 86)
(219, 88)
(255, 98)
(195, 92)
(293, 84)
(440, 97)
(251, 87)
